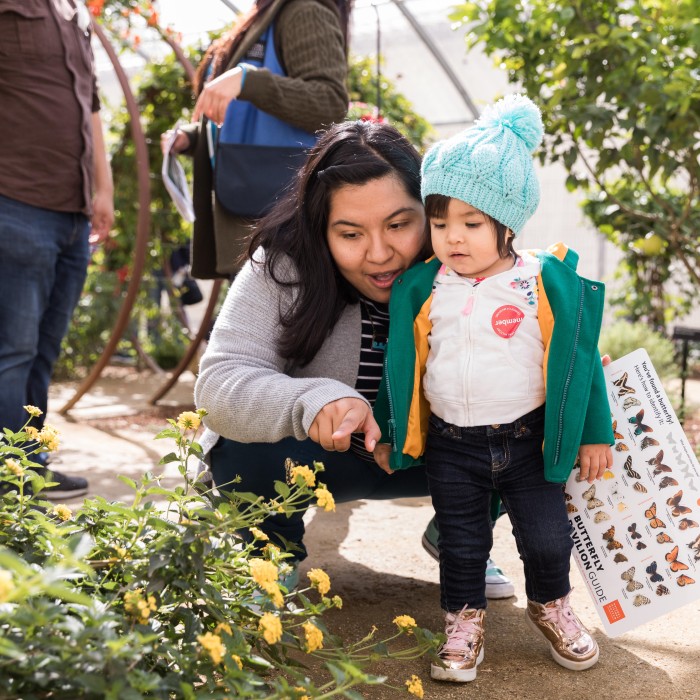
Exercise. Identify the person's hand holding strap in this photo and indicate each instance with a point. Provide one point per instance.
(338, 420)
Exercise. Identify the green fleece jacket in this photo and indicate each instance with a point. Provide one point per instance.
(570, 312)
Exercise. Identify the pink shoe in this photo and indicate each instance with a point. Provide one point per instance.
(570, 643)
(464, 649)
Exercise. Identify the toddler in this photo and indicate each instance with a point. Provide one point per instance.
(505, 387)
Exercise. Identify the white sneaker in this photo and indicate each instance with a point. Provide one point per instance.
(498, 585)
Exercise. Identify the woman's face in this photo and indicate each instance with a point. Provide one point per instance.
(375, 232)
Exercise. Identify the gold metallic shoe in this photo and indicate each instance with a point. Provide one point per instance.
(464, 649)
(571, 644)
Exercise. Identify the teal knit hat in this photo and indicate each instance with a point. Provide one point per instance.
(490, 164)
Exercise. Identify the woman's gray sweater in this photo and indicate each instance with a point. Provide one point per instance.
(250, 392)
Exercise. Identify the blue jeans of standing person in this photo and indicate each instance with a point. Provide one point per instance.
(464, 467)
(347, 476)
(43, 264)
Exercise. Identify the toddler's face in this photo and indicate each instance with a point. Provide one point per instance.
(465, 240)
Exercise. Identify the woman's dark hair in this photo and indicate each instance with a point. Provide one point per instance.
(350, 153)
(436, 206)
(220, 51)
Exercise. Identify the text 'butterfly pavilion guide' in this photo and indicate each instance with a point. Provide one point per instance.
(636, 531)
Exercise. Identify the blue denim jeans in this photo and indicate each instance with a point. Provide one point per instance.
(348, 478)
(464, 466)
(43, 264)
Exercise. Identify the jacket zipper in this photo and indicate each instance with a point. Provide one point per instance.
(392, 420)
(560, 427)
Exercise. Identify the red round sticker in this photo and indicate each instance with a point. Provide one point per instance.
(506, 320)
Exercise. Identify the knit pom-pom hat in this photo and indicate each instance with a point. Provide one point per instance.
(490, 165)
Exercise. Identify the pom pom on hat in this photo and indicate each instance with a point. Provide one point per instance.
(490, 165)
(519, 114)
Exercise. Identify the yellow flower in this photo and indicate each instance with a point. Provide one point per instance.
(415, 686)
(263, 572)
(14, 467)
(7, 585)
(188, 420)
(301, 689)
(271, 627)
(337, 601)
(138, 606)
(314, 637)
(223, 627)
(405, 622)
(48, 438)
(325, 498)
(33, 411)
(32, 432)
(258, 534)
(62, 511)
(237, 661)
(273, 590)
(305, 473)
(320, 580)
(213, 645)
(271, 550)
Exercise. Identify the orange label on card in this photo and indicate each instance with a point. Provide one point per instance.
(614, 611)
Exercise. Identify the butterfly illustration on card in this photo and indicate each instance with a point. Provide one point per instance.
(650, 515)
(623, 388)
(654, 575)
(628, 576)
(686, 523)
(676, 507)
(630, 401)
(621, 447)
(615, 491)
(629, 471)
(600, 516)
(662, 590)
(591, 501)
(694, 546)
(607, 474)
(616, 435)
(684, 580)
(663, 537)
(667, 481)
(632, 529)
(641, 545)
(640, 600)
(648, 441)
(672, 559)
(619, 558)
(639, 486)
(609, 537)
(640, 426)
(657, 463)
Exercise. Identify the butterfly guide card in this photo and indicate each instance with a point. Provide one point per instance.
(636, 531)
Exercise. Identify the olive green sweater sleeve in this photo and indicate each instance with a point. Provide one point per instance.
(313, 94)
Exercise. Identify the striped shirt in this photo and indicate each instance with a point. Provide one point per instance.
(375, 330)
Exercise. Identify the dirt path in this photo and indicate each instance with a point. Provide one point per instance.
(372, 552)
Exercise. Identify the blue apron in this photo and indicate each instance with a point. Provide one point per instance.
(257, 155)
